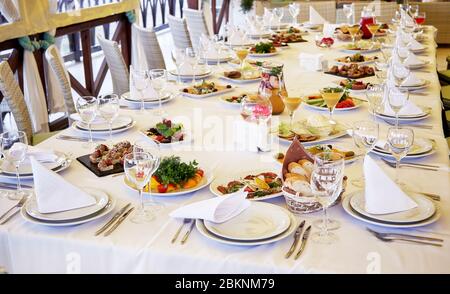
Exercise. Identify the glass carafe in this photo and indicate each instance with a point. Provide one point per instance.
(272, 86)
(367, 17)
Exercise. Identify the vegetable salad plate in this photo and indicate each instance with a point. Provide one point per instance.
(315, 101)
(259, 229)
(426, 213)
(167, 133)
(205, 90)
(260, 184)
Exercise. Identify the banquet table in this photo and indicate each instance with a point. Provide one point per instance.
(146, 248)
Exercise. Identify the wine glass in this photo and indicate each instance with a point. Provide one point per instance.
(401, 72)
(413, 10)
(158, 78)
(326, 185)
(375, 97)
(241, 53)
(354, 30)
(373, 28)
(402, 53)
(331, 96)
(365, 135)
(400, 141)
(397, 99)
(87, 109)
(179, 57)
(152, 147)
(292, 104)
(139, 168)
(420, 18)
(14, 146)
(294, 10)
(192, 58)
(140, 78)
(108, 107)
(348, 12)
(278, 12)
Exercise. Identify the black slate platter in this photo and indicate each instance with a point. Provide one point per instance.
(343, 76)
(84, 160)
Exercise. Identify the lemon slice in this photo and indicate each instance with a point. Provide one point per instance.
(261, 184)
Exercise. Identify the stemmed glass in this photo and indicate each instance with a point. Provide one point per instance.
(292, 104)
(258, 110)
(354, 30)
(375, 97)
(108, 107)
(365, 135)
(87, 109)
(373, 28)
(179, 57)
(402, 53)
(331, 96)
(400, 141)
(241, 53)
(192, 58)
(278, 13)
(140, 78)
(401, 72)
(326, 185)
(139, 168)
(159, 83)
(397, 99)
(348, 12)
(420, 18)
(294, 10)
(14, 146)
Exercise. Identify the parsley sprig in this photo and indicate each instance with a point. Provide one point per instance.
(172, 171)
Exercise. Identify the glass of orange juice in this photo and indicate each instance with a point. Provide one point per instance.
(353, 30)
(373, 29)
(292, 104)
(241, 53)
(331, 96)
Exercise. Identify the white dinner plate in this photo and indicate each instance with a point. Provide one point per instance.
(126, 96)
(106, 210)
(418, 65)
(120, 122)
(116, 131)
(100, 196)
(259, 221)
(136, 103)
(420, 50)
(206, 180)
(259, 35)
(221, 59)
(204, 231)
(264, 54)
(421, 147)
(187, 138)
(278, 26)
(347, 207)
(422, 85)
(224, 180)
(25, 167)
(226, 90)
(12, 176)
(198, 75)
(240, 80)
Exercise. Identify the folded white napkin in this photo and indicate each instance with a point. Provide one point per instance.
(217, 209)
(409, 109)
(311, 62)
(237, 38)
(54, 194)
(409, 21)
(329, 29)
(414, 45)
(412, 80)
(315, 17)
(412, 59)
(382, 195)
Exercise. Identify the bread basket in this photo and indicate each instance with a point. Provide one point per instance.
(300, 203)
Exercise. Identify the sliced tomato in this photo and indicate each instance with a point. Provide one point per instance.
(162, 188)
(200, 172)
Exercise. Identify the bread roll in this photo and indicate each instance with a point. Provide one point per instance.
(307, 165)
(296, 168)
(299, 185)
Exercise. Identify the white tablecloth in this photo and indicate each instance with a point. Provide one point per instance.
(146, 248)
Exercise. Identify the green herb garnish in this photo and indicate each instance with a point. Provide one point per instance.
(172, 171)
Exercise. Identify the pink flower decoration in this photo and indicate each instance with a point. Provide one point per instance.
(261, 111)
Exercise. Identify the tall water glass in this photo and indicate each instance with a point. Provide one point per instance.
(140, 81)
(159, 83)
(108, 108)
(192, 59)
(400, 141)
(87, 109)
(294, 10)
(397, 99)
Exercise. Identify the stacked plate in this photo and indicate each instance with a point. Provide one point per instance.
(422, 147)
(104, 205)
(261, 223)
(61, 163)
(199, 74)
(404, 118)
(425, 213)
(147, 102)
(421, 84)
(120, 124)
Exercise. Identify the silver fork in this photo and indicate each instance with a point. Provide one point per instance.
(422, 126)
(18, 205)
(392, 239)
(387, 235)
(175, 237)
(414, 165)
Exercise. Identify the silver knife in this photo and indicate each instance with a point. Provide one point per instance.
(297, 234)
(13, 186)
(112, 220)
(185, 237)
(119, 221)
(304, 240)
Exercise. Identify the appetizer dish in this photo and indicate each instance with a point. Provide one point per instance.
(286, 37)
(343, 34)
(354, 85)
(106, 158)
(356, 58)
(263, 48)
(325, 42)
(205, 88)
(237, 99)
(315, 128)
(352, 71)
(166, 132)
(362, 45)
(313, 150)
(259, 185)
(345, 102)
(248, 75)
(173, 175)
